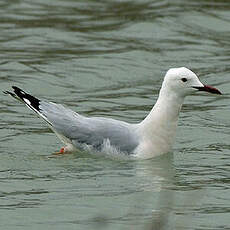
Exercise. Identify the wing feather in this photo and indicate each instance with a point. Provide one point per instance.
(74, 128)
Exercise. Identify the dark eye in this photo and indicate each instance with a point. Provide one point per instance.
(184, 79)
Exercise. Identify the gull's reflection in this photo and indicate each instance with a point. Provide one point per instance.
(151, 205)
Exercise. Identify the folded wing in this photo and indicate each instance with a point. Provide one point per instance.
(76, 129)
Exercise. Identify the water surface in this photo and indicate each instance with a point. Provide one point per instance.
(108, 58)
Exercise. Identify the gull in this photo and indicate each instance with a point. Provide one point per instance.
(151, 137)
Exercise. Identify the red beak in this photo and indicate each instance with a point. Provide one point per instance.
(208, 88)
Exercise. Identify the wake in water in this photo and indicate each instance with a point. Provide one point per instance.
(106, 149)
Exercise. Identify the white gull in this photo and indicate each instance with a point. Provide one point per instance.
(151, 137)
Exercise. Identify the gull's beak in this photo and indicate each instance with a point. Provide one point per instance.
(207, 88)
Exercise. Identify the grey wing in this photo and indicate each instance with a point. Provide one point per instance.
(91, 131)
(73, 128)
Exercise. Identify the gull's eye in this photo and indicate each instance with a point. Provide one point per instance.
(184, 79)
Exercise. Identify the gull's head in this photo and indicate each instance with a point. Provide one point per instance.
(183, 82)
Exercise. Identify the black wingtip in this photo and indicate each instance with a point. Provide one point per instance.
(8, 92)
(18, 91)
(16, 88)
(30, 100)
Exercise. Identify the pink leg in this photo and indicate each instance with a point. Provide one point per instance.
(62, 151)
(66, 149)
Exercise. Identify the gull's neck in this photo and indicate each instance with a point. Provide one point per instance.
(159, 127)
(166, 109)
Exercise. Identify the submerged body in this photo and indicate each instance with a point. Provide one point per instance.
(151, 137)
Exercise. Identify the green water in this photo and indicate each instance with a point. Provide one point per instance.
(108, 58)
